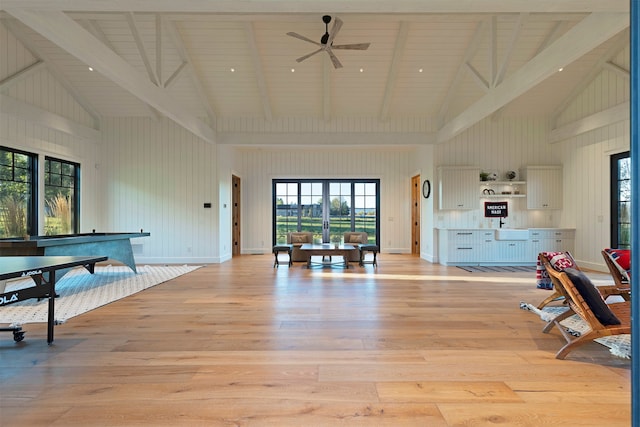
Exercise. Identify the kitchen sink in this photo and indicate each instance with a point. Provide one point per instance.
(512, 233)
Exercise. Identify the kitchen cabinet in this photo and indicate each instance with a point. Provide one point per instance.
(544, 187)
(550, 240)
(480, 246)
(458, 187)
(465, 246)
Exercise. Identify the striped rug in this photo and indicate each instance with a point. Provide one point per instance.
(619, 345)
(80, 291)
(499, 268)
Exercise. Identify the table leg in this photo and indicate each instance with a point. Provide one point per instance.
(52, 299)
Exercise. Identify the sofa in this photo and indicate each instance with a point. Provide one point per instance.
(355, 238)
(297, 239)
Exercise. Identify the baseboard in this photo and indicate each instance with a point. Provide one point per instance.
(177, 260)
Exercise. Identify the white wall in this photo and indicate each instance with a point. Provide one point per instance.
(157, 176)
(50, 126)
(500, 145)
(259, 166)
(140, 173)
(586, 158)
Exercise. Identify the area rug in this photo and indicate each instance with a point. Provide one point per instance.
(80, 291)
(619, 345)
(498, 268)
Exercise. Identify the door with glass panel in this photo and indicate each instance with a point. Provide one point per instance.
(327, 208)
(621, 200)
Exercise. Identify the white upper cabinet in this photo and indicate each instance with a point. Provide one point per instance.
(544, 187)
(458, 187)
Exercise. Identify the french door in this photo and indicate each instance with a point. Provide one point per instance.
(326, 207)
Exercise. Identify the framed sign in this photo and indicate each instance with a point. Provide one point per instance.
(496, 209)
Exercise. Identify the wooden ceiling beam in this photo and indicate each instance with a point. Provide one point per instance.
(472, 49)
(572, 45)
(22, 74)
(392, 77)
(620, 43)
(172, 31)
(259, 71)
(21, 35)
(73, 38)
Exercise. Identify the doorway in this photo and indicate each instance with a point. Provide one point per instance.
(325, 207)
(235, 215)
(415, 215)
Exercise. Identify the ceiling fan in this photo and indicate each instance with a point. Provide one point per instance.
(326, 42)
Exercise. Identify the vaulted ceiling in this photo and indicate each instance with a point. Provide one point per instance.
(438, 65)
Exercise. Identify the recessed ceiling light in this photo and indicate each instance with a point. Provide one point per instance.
(90, 68)
(560, 69)
(233, 70)
(362, 70)
(420, 70)
(293, 70)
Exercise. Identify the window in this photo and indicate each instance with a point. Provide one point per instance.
(61, 188)
(621, 201)
(17, 193)
(327, 208)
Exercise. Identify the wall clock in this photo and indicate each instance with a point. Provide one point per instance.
(426, 188)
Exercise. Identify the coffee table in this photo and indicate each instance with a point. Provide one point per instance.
(327, 249)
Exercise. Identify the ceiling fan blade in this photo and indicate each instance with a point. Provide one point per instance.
(302, 58)
(355, 46)
(298, 36)
(334, 59)
(337, 24)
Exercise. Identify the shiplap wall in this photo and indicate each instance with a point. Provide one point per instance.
(157, 176)
(586, 159)
(259, 166)
(154, 175)
(24, 135)
(500, 145)
(41, 89)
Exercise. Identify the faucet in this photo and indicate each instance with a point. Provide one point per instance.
(501, 222)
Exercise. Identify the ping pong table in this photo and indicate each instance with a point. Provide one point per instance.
(42, 269)
(116, 246)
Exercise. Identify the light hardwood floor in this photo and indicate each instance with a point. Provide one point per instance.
(244, 344)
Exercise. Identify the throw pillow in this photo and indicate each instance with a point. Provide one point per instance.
(592, 297)
(622, 260)
(298, 238)
(355, 238)
(559, 261)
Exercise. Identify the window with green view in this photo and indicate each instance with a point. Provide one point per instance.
(17, 193)
(61, 188)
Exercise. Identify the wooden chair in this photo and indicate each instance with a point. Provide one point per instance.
(621, 286)
(577, 305)
(558, 294)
